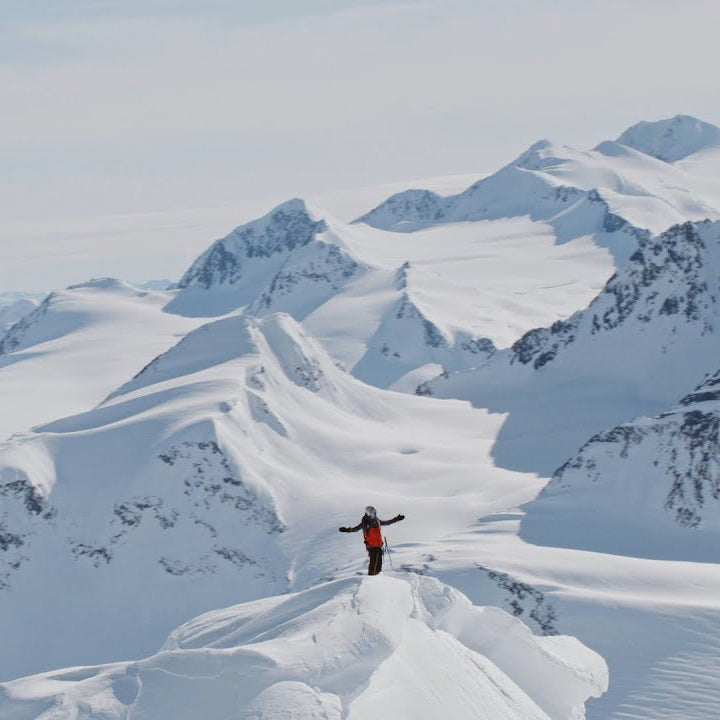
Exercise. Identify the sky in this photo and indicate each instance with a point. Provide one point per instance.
(135, 132)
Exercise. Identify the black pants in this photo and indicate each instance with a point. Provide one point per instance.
(375, 565)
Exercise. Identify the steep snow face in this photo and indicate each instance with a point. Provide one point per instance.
(613, 193)
(655, 479)
(263, 262)
(672, 139)
(408, 344)
(407, 646)
(218, 474)
(310, 277)
(642, 344)
(77, 346)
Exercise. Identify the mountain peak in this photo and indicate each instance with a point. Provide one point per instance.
(537, 155)
(290, 225)
(671, 139)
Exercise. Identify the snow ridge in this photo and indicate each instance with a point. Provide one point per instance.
(346, 649)
(287, 227)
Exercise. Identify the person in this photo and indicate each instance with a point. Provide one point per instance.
(370, 525)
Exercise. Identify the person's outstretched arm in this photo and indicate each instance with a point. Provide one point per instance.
(397, 518)
(351, 529)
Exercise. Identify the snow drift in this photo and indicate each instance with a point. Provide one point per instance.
(407, 646)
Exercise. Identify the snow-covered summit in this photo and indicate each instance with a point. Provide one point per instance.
(673, 139)
(548, 179)
(265, 259)
(288, 226)
(407, 645)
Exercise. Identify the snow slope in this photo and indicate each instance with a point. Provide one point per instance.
(220, 472)
(402, 645)
(416, 307)
(216, 475)
(656, 479)
(646, 340)
(77, 346)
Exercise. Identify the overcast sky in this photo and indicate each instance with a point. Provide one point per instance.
(133, 132)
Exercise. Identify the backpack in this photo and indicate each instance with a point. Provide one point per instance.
(373, 536)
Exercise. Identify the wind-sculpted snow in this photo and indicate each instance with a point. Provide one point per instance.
(405, 646)
(213, 476)
(673, 139)
(642, 344)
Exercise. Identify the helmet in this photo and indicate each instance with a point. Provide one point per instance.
(370, 511)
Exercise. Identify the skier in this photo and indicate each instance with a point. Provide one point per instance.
(370, 525)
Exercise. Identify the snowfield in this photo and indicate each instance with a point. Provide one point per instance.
(77, 346)
(525, 366)
(346, 649)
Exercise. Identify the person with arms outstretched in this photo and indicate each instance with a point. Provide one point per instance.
(370, 525)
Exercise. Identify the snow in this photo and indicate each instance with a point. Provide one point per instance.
(579, 373)
(346, 649)
(673, 139)
(613, 180)
(250, 447)
(77, 346)
(13, 312)
(208, 441)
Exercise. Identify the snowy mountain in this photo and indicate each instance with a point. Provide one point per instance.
(284, 253)
(616, 193)
(409, 646)
(15, 311)
(199, 447)
(673, 139)
(211, 477)
(657, 479)
(77, 346)
(420, 307)
(644, 342)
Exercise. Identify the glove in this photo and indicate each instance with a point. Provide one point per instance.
(344, 529)
(399, 517)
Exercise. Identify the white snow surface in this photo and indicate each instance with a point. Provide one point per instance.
(350, 649)
(646, 341)
(418, 303)
(594, 193)
(672, 139)
(249, 448)
(220, 472)
(77, 346)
